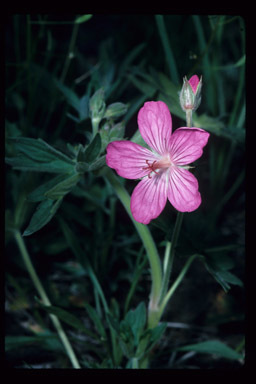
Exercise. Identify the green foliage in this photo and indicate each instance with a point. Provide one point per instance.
(70, 91)
(214, 347)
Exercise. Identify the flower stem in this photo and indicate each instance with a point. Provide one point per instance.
(177, 282)
(37, 283)
(189, 117)
(170, 252)
(145, 235)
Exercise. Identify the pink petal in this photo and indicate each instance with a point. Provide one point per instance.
(186, 145)
(193, 81)
(183, 191)
(155, 125)
(149, 197)
(128, 159)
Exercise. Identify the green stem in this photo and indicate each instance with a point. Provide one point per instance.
(37, 283)
(189, 117)
(170, 255)
(177, 282)
(145, 235)
(70, 54)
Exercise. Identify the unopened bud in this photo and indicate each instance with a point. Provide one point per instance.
(115, 110)
(97, 105)
(190, 95)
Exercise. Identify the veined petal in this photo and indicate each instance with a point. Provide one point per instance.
(128, 158)
(149, 197)
(186, 145)
(183, 191)
(155, 125)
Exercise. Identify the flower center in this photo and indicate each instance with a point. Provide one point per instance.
(161, 164)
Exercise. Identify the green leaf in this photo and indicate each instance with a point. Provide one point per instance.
(66, 317)
(217, 277)
(37, 155)
(93, 149)
(136, 319)
(156, 334)
(46, 340)
(62, 188)
(82, 19)
(230, 278)
(43, 214)
(39, 193)
(96, 320)
(213, 347)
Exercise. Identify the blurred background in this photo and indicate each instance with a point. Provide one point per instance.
(53, 65)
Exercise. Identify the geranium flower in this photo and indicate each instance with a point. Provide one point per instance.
(163, 170)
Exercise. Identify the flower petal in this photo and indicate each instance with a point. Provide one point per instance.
(128, 158)
(149, 197)
(194, 81)
(186, 144)
(155, 125)
(183, 191)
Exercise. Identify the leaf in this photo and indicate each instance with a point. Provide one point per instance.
(213, 347)
(48, 341)
(96, 320)
(43, 214)
(37, 155)
(93, 149)
(62, 188)
(217, 277)
(230, 278)
(82, 19)
(136, 319)
(156, 334)
(39, 193)
(66, 317)
(84, 107)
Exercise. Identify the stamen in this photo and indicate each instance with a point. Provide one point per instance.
(162, 163)
(151, 168)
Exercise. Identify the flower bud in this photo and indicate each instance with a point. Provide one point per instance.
(97, 105)
(115, 110)
(190, 95)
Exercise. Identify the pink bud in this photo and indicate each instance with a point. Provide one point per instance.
(194, 81)
(190, 95)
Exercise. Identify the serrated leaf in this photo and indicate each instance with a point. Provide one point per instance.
(43, 214)
(213, 347)
(93, 149)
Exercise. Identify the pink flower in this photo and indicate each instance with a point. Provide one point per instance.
(163, 169)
